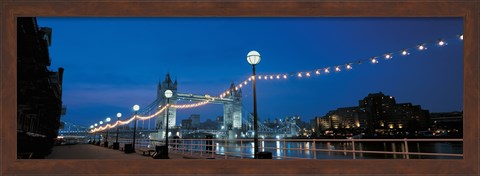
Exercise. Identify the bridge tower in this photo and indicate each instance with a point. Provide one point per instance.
(232, 107)
(167, 84)
(232, 112)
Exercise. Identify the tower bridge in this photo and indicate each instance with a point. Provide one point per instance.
(236, 121)
(232, 106)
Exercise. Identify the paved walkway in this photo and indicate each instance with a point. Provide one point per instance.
(89, 151)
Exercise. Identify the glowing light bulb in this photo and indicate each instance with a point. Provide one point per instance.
(285, 76)
(299, 75)
(349, 67)
(278, 76)
(240, 85)
(249, 79)
(326, 70)
(308, 74)
(374, 61)
(461, 37)
(441, 43)
(337, 68)
(404, 52)
(265, 77)
(388, 56)
(421, 47)
(259, 77)
(236, 88)
(245, 82)
(271, 77)
(317, 72)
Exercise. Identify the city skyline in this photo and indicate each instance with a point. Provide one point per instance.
(103, 74)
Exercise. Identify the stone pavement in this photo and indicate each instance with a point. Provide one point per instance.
(89, 151)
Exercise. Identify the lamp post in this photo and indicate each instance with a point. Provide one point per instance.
(91, 128)
(100, 134)
(106, 137)
(168, 95)
(116, 145)
(253, 58)
(96, 134)
(135, 108)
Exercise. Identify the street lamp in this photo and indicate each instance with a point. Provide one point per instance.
(91, 128)
(168, 95)
(253, 58)
(116, 145)
(106, 138)
(100, 134)
(95, 135)
(135, 108)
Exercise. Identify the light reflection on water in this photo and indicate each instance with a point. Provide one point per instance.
(303, 149)
(278, 148)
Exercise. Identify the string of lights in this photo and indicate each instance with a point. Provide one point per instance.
(153, 115)
(119, 122)
(185, 106)
(345, 66)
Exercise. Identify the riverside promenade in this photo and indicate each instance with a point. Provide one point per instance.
(89, 151)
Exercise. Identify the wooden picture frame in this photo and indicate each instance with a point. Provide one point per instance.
(468, 10)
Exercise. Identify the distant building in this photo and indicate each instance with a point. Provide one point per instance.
(447, 121)
(39, 90)
(195, 120)
(187, 124)
(322, 123)
(384, 113)
(376, 113)
(219, 120)
(348, 117)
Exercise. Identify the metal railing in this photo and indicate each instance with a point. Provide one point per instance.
(306, 148)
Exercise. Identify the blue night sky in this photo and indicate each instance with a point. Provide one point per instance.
(113, 63)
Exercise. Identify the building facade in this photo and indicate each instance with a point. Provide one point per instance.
(447, 123)
(195, 120)
(39, 91)
(376, 113)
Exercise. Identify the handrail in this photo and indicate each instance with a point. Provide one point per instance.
(308, 148)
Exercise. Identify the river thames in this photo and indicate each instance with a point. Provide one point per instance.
(335, 150)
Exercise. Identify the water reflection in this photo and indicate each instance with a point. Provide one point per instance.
(335, 150)
(278, 149)
(307, 148)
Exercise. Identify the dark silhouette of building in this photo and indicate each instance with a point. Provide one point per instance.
(376, 113)
(447, 123)
(39, 91)
(195, 120)
(384, 113)
(187, 124)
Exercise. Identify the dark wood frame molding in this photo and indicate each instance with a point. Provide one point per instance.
(469, 10)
